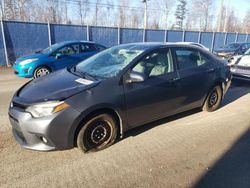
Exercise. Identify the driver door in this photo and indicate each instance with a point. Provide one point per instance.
(157, 95)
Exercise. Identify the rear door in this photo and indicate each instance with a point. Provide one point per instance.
(197, 74)
(87, 50)
(156, 96)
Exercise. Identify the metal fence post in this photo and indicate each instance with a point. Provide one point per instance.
(49, 34)
(165, 35)
(225, 39)
(246, 37)
(144, 35)
(88, 38)
(4, 44)
(212, 44)
(199, 37)
(183, 35)
(119, 35)
(236, 37)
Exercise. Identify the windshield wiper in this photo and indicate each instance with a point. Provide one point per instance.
(87, 75)
(83, 74)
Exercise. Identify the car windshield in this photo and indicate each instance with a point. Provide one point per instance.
(108, 63)
(247, 52)
(231, 46)
(50, 49)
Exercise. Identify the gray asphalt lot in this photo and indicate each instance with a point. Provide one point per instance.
(192, 149)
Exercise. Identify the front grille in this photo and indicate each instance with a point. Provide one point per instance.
(19, 135)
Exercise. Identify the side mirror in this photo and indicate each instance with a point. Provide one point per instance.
(58, 55)
(136, 77)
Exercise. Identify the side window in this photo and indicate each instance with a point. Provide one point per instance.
(156, 63)
(99, 47)
(203, 59)
(76, 48)
(87, 48)
(67, 50)
(189, 58)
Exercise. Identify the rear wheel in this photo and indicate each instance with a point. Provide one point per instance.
(213, 100)
(97, 133)
(41, 71)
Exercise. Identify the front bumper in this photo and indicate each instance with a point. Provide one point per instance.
(23, 70)
(241, 73)
(241, 77)
(56, 129)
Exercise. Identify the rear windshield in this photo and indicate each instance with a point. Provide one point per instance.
(231, 46)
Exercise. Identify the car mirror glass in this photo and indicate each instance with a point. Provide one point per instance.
(58, 55)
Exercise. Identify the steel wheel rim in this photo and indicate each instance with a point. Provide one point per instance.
(213, 98)
(99, 134)
(42, 72)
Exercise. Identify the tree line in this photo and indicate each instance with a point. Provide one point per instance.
(197, 15)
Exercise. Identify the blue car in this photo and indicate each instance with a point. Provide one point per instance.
(55, 57)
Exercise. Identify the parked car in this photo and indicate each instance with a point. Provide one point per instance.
(240, 66)
(92, 103)
(232, 49)
(55, 57)
(195, 44)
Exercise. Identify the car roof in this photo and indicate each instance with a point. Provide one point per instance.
(152, 45)
(140, 45)
(76, 41)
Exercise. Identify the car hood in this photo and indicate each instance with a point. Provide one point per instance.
(244, 61)
(55, 86)
(30, 56)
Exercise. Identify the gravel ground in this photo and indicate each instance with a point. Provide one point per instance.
(192, 149)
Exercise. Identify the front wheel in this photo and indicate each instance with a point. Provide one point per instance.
(213, 100)
(97, 133)
(41, 71)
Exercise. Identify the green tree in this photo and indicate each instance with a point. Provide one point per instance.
(180, 14)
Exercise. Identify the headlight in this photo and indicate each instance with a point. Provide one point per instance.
(27, 61)
(46, 108)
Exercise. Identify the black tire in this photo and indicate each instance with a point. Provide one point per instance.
(213, 100)
(41, 71)
(98, 133)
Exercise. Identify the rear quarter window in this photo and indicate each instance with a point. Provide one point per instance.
(190, 58)
(87, 47)
(99, 47)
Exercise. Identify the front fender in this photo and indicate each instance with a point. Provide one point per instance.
(98, 108)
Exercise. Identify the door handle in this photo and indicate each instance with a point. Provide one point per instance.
(210, 70)
(174, 79)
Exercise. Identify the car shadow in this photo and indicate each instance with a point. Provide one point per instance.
(145, 127)
(232, 169)
(237, 90)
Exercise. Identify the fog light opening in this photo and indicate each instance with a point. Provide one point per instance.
(44, 140)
